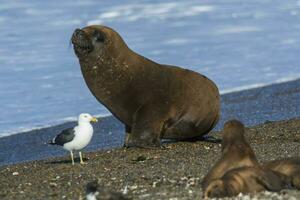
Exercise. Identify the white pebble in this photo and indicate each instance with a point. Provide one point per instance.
(133, 187)
(206, 147)
(125, 191)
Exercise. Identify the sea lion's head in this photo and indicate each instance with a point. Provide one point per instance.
(233, 133)
(233, 129)
(96, 41)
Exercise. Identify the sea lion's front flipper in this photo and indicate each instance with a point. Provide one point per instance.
(147, 126)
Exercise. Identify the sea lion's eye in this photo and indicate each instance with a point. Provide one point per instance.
(99, 37)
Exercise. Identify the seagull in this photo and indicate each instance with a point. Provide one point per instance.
(78, 137)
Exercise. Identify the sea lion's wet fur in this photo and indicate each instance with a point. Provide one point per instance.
(236, 152)
(245, 180)
(287, 166)
(154, 101)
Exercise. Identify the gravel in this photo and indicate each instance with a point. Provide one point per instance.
(172, 172)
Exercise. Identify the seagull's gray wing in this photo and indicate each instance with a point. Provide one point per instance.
(65, 136)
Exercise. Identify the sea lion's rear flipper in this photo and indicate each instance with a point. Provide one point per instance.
(268, 184)
(204, 138)
(274, 181)
(210, 139)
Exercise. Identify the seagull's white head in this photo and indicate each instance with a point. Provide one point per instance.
(85, 117)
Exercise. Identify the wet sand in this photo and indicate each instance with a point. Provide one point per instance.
(172, 172)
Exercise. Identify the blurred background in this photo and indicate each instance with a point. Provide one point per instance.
(239, 44)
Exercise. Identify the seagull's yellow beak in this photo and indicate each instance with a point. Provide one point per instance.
(94, 119)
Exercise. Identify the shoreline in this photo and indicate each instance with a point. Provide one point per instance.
(225, 92)
(252, 107)
(39, 127)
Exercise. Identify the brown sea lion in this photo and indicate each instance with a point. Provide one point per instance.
(245, 180)
(236, 152)
(153, 100)
(287, 166)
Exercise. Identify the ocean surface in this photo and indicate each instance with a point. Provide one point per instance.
(240, 44)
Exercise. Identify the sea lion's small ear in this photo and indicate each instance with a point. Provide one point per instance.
(99, 36)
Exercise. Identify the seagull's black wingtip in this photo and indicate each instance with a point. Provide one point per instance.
(51, 142)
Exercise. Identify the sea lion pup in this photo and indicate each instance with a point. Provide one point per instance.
(236, 152)
(153, 100)
(245, 180)
(287, 166)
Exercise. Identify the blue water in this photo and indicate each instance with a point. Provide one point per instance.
(239, 44)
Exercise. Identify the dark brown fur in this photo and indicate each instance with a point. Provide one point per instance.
(287, 166)
(245, 180)
(236, 152)
(153, 100)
